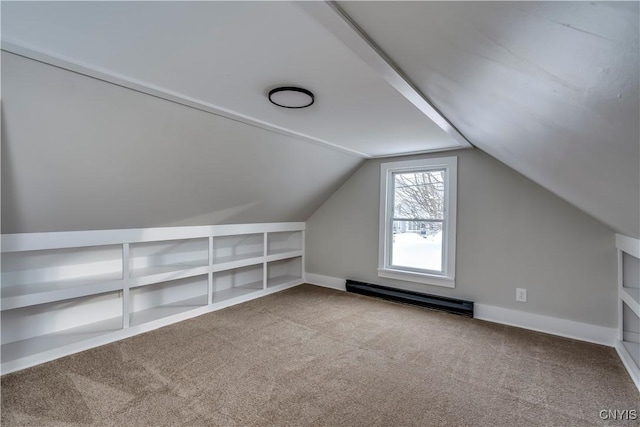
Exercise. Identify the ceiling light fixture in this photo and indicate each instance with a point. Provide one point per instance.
(291, 97)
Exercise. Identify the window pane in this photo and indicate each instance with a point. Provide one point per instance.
(417, 244)
(419, 195)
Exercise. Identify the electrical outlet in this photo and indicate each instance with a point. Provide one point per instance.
(521, 294)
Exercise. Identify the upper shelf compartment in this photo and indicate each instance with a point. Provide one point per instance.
(43, 276)
(631, 281)
(629, 271)
(237, 251)
(286, 243)
(152, 262)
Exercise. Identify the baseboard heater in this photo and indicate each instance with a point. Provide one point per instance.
(450, 305)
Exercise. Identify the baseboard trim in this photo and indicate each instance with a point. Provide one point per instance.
(535, 322)
(326, 281)
(547, 324)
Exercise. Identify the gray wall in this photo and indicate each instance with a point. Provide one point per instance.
(511, 234)
(79, 154)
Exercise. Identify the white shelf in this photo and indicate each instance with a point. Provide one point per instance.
(167, 310)
(282, 280)
(237, 291)
(283, 254)
(633, 348)
(58, 340)
(157, 274)
(229, 263)
(170, 268)
(45, 292)
(233, 258)
(631, 296)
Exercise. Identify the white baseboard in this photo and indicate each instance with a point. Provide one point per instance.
(535, 322)
(325, 281)
(550, 325)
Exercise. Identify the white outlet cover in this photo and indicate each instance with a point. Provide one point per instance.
(521, 294)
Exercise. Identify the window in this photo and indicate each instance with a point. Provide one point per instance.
(418, 221)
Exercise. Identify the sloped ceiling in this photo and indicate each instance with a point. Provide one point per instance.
(226, 56)
(548, 88)
(81, 154)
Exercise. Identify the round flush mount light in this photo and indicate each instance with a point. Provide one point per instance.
(291, 97)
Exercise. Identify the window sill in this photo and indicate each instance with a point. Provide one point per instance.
(409, 276)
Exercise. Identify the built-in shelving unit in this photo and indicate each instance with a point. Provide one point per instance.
(66, 292)
(628, 344)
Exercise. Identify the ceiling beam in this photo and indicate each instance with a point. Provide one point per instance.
(333, 18)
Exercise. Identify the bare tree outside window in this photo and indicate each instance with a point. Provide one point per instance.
(418, 220)
(418, 215)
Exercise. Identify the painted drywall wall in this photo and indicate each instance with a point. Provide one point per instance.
(511, 234)
(80, 154)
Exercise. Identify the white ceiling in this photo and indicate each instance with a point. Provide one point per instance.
(548, 88)
(228, 55)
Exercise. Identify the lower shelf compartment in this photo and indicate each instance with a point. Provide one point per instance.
(634, 350)
(237, 282)
(227, 294)
(167, 310)
(284, 271)
(281, 280)
(153, 302)
(57, 340)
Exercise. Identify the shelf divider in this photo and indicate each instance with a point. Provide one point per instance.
(631, 299)
(173, 273)
(126, 297)
(210, 274)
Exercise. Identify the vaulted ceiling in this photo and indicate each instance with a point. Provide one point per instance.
(548, 88)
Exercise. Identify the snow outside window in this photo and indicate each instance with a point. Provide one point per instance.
(417, 221)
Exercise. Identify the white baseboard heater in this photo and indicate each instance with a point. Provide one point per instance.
(450, 305)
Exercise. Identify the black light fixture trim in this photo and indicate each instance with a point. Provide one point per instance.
(291, 89)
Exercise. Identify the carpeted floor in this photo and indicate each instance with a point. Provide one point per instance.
(314, 356)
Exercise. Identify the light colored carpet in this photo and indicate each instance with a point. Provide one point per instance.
(314, 356)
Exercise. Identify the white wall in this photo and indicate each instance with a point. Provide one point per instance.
(79, 154)
(511, 234)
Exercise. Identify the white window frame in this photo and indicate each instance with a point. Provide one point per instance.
(447, 277)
